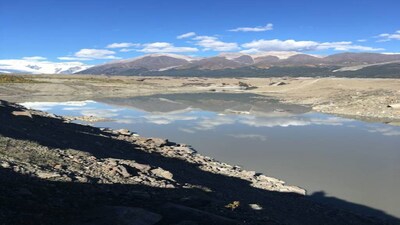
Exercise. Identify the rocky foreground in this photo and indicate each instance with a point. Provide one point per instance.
(53, 171)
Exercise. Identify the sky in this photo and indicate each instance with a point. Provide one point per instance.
(97, 31)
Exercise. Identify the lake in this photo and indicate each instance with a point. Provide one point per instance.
(327, 155)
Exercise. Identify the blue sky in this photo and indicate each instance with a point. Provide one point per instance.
(85, 30)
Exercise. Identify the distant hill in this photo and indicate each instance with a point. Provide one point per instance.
(388, 70)
(138, 65)
(260, 65)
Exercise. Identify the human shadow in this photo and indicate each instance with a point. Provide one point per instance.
(74, 201)
(320, 196)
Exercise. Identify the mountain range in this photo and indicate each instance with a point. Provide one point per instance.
(265, 64)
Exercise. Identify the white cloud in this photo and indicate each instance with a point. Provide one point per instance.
(34, 58)
(90, 54)
(250, 51)
(302, 46)
(362, 40)
(164, 47)
(389, 37)
(69, 58)
(269, 26)
(123, 45)
(186, 35)
(345, 46)
(127, 50)
(214, 44)
(95, 54)
(383, 40)
(278, 45)
(391, 53)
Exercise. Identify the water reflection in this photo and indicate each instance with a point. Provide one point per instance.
(224, 103)
(345, 158)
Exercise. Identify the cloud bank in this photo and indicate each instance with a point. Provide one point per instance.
(165, 47)
(303, 46)
(269, 26)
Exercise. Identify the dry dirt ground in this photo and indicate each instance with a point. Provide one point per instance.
(367, 99)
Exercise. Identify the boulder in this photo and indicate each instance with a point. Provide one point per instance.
(116, 170)
(255, 206)
(280, 83)
(394, 106)
(160, 172)
(245, 86)
(158, 142)
(125, 132)
(22, 113)
(139, 166)
(5, 164)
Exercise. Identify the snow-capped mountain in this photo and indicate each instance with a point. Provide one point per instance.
(40, 67)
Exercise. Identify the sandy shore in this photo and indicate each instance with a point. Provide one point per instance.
(367, 99)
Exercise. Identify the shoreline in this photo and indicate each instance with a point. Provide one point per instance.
(171, 150)
(365, 99)
(48, 148)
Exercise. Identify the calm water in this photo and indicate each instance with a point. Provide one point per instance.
(346, 159)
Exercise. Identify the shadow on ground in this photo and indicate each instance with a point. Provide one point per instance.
(29, 200)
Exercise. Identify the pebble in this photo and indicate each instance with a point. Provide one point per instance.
(47, 175)
(5, 164)
(255, 206)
